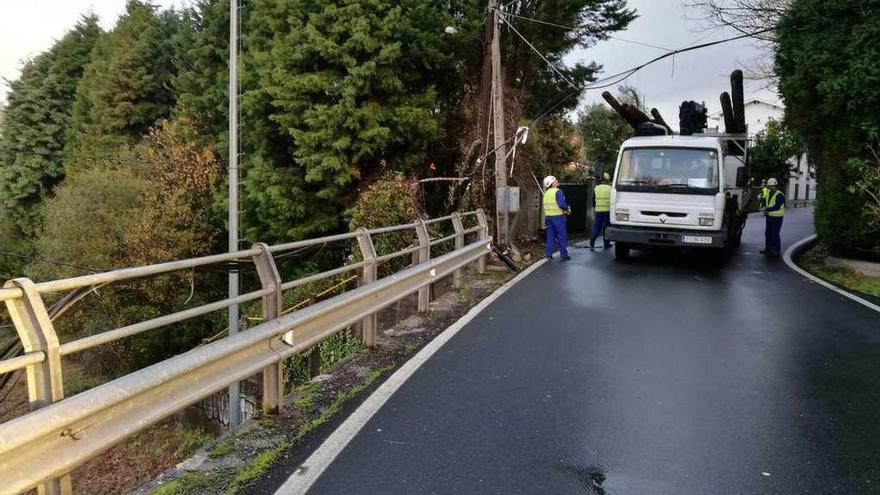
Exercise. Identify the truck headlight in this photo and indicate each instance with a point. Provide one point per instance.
(621, 217)
(706, 222)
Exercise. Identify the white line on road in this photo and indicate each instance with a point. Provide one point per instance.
(787, 256)
(307, 473)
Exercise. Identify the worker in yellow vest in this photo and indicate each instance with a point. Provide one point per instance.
(601, 211)
(765, 191)
(774, 211)
(555, 211)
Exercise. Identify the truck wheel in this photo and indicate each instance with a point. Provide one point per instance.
(621, 251)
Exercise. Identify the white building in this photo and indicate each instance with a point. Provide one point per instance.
(758, 112)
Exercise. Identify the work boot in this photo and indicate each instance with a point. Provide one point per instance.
(592, 243)
(565, 257)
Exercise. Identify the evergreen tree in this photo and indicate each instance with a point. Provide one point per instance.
(202, 77)
(127, 86)
(829, 75)
(537, 83)
(31, 161)
(350, 87)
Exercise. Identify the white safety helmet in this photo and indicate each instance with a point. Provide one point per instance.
(548, 181)
(772, 182)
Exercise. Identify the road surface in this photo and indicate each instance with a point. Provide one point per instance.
(651, 376)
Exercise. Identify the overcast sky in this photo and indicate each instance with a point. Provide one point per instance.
(699, 75)
(28, 27)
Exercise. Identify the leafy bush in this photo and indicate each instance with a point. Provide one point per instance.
(390, 200)
(828, 74)
(151, 208)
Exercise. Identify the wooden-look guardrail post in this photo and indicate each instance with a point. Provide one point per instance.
(273, 377)
(459, 243)
(44, 380)
(424, 255)
(368, 275)
(483, 234)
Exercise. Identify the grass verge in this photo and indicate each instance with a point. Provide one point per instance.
(813, 261)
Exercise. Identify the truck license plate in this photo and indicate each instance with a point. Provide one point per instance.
(696, 239)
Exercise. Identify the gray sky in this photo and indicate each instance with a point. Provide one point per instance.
(699, 75)
(28, 27)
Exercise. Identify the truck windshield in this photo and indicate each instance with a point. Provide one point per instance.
(673, 170)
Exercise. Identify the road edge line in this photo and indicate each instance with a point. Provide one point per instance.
(309, 471)
(828, 285)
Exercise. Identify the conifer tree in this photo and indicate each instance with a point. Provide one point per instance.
(350, 87)
(40, 102)
(127, 86)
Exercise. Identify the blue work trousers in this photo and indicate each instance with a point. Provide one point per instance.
(600, 221)
(772, 240)
(557, 233)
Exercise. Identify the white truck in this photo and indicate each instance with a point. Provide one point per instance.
(680, 191)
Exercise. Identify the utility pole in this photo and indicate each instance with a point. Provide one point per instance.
(501, 193)
(234, 392)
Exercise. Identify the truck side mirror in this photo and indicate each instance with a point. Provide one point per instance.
(742, 177)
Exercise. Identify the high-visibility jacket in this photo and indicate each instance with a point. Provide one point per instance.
(551, 207)
(771, 201)
(765, 195)
(602, 194)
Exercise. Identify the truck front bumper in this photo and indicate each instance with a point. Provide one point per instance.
(647, 236)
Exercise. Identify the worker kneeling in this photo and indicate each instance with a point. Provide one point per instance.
(555, 211)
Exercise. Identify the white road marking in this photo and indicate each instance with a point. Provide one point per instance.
(827, 285)
(305, 476)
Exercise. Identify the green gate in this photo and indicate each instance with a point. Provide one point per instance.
(579, 198)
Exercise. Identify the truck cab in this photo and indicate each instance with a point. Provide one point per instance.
(679, 192)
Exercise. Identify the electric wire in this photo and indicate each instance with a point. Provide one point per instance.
(572, 28)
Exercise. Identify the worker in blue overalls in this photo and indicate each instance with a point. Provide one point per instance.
(774, 211)
(555, 211)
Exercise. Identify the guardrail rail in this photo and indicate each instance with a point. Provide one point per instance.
(41, 448)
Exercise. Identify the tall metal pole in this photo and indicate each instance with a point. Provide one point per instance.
(501, 194)
(234, 392)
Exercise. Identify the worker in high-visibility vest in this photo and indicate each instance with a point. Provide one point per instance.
(555, 211)
(773, 212)
(601, 211)
(764, 192)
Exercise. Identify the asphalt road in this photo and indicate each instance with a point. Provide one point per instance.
(653, 376)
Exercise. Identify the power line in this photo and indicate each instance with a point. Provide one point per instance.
(572, 28)
(47, 261)
(549, 64)
(626, 74)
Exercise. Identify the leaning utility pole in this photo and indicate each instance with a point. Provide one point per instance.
(234, 392)
(501, 193)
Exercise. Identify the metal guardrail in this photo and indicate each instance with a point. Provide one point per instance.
(41, 448)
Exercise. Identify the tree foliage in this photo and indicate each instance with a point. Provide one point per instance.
(40, 101)
(127, 86)
(540, 83)
(829, 77)
(776, 152)
(351, 87)
(108, 215)
(202, 78)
